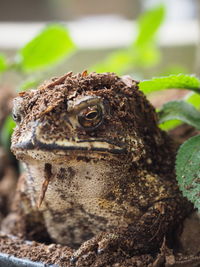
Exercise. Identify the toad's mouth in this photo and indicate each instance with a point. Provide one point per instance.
(96, 145)
(34, 141)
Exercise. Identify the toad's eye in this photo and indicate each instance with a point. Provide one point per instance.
(17, 110)
(90, 117)
(16, 117)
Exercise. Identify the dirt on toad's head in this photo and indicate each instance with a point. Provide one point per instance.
(121, 92)
(107, 111)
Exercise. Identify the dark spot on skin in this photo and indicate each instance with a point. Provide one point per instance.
(58, 217)
(88, 177)
(84, 159)
(61, 174)
(69, 232)
(63, 196)
(119, 201)
(110, 196)
(86, 235)
(72, 172)
(70, 211)
(130, 215)
(66, 173)
(95, 217)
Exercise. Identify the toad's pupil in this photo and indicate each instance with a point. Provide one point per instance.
(92, 115)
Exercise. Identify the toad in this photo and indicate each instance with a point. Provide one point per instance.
(99, 171)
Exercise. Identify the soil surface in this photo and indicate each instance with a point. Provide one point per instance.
(31, 250)
(60, 255)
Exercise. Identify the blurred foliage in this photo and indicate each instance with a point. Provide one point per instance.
(45, 50)
(6, 132)
(194, 99)
(173, 69)
(143, 51)
(180, 81)
(48, 47)
(3, 63)
(28, 84)
(169, 125)
(180, 110)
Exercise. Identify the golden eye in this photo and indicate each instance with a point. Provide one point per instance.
(90, 117)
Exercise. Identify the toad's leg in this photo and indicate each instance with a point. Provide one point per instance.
(141, 237)
(24, 220)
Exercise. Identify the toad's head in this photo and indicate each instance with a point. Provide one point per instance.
(98, 116)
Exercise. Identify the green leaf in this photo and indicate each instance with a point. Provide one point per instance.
(142, 52)
(169, 125)
(6, 132)
(3, 63)
(188, 171)
(180, 110)
(180, 81)
(121, 61)
(116, 62)
(148, 25)
(47, 48)
(147, 56)
(194, 99)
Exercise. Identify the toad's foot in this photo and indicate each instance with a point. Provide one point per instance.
(97, 251)
(138, 238)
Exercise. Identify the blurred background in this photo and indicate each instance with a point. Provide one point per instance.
(99, 28)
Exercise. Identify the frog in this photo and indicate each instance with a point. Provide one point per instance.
(99, 171)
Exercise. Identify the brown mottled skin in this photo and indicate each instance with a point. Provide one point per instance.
(91, 141)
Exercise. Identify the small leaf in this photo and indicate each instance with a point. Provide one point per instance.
(121, 61)
(48, 47)
(147, 56)
(142, 52)
(194, 99)
(169, 125)
(180, 110)
(148, 25)
(180, 81)
(188, 170)
(3, 63)
(115, 62)
(6, 132)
